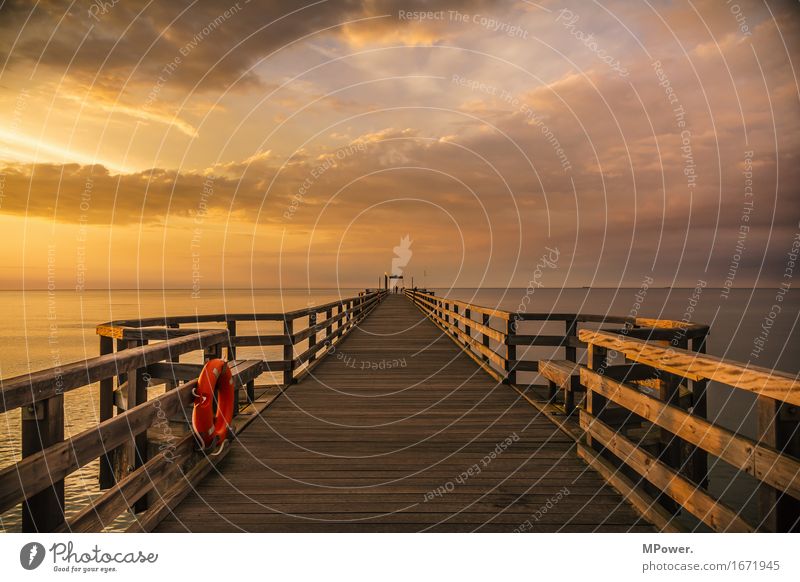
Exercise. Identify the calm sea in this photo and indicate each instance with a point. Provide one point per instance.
(42, 330)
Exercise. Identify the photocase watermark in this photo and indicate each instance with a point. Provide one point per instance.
(68, 559)
(199, 217)
(677, 337)
(167, 445)
(548, 260)
(638, 301)
(640, 296)
(688, 314)
(473, 470)
(454, 16)
(520, 107)
(744, 227)
(52, 319)
(100, 8)
(492, 24)
(352, 361)
(168, 70)
(402, 256)
(383, 364)
(31, 555)
(741, 20)
(20, 104)
(569, 20)
(554, 500)
(84, 205)
(324, 164)
(760, 340)
(679, 113)
(95, 559)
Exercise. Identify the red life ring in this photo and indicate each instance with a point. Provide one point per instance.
(215, 381)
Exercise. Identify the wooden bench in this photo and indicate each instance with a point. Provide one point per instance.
(244, 374)
(564, 375)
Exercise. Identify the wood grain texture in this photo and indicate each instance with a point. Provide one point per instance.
(690, 496)
(755, 458)
(698, 366)
(397, 429)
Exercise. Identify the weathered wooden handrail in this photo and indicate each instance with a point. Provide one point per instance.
(127, 471)
(762, 381)
(456, 319)
(29, 389)
(675, 466)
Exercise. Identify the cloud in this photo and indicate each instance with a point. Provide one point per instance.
(564, 151)
(213, 44)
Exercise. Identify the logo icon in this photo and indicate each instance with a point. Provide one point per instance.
(31, 555)
(402, 256)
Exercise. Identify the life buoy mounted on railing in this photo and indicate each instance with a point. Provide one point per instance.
(215, 381)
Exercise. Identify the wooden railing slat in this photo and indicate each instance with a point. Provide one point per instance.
(29, 388)
(765, 463)
(697, 366)
(36, 472)
(694, 499)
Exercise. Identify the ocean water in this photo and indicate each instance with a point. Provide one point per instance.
(42, 330)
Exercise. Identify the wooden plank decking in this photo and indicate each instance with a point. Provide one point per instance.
(395, 414)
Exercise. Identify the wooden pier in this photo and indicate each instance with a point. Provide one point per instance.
(383, 436)
(408, 413)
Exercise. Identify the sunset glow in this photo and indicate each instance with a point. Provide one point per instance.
(631, 137)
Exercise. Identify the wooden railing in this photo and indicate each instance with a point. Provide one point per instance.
(323, 325)
(663, 444)
(132, 464)
(643, 421)
(491, 336)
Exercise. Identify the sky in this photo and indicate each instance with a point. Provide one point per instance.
(289, 144)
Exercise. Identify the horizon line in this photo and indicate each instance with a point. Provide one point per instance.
(361, 287)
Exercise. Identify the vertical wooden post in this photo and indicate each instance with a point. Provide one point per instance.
(571, 354)
(288, 351)
(106, 475)
(669, 391)
(595, 403)
(122, 377)
(670, 444)
(212, 352)
(777, 428)
(231, 348)
(42, 427)
(787, 439)
(312, 339)
(251, 391)
(511, 353)
(766, 413)
(485, 339)
(571, 334)
(468, 328)
(698, 458)
(455, 323)
(329, 329)
(137, 394)
(170, 384)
